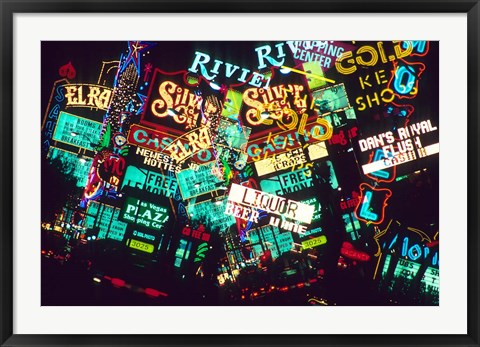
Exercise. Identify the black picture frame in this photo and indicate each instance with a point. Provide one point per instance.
(10, 7)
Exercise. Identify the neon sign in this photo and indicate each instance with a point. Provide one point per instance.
(211, 213)
(280, 162)
(314, 242)
(88, 95)
(198, 181)
(368, 56)
(201, 59)
(77, 131)
(373, 204)
(182, 100)
(105, 218)
(399, 151)
(70, 162)
(144, 213)
(269, 238)
(349, 251)
(331, 99)
(141, 246)
(271, 203)
(150, 181)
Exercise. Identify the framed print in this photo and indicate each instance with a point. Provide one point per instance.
(245, 174)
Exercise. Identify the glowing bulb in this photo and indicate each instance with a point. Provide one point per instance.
(264, 115)
(215, 86)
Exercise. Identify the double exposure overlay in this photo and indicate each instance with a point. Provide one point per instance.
(240, 173)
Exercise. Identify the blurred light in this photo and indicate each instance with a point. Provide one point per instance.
(215, 86)
(153, 292)
(117, 282)
(73, 134)
(285, 70)
(89, 238)
(93, 237)
(264, 115)
(172, 112)
(96, 279)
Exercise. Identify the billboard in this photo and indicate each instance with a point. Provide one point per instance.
(106, 219)
(144, 213)
(77, 131)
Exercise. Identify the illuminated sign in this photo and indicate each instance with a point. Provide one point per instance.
(289, 182)
(314, 242)
(110, 167)
(280, 162)
(315, 76)
(295, 181)
(274, 100)
(401, 151)
(77, 131)
(331, 99)
(413, 249)
(270, 238)
(368, 55)
(373, 204)
(189, 144)
(317, 215)
(143, 235)
(197, 182)
(317, 53)
(144, 213)
(55, 105)
(197, 233)
(148, 138)
(310, 232)
(156, 146)
(71, 165)
(352, 225)
(317, 131)
(105, 218)
(271, 203)
(241, 74)
(287, 225)
(231, 134)
(211, 213)
(175, 103)
(88, 95)
(141, 246)
(154, 159)
(181, 99)
(150, 181)
(381, 175)
(349, 251)
(408, 270)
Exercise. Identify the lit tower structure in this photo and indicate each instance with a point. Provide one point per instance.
(102, 189)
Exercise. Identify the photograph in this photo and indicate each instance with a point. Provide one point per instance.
(240, 173)
(220, 173)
